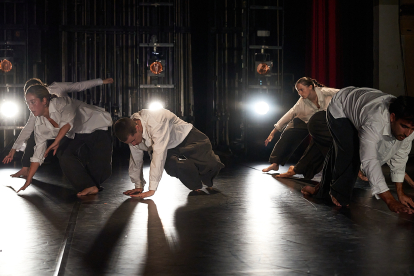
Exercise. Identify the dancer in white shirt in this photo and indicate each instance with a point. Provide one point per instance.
(369, 128)
(306, 116)
(82, 143)
(25, 141)
(174, 145)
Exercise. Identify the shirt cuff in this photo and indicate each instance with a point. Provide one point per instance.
(397, 177)
(139, 185)
(277, 127)
(21, 147)
(37, 160)
(153, 186)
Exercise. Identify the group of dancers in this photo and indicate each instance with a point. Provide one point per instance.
(354, 131)
(80, 136)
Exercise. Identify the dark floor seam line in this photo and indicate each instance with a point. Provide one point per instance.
(64, 250)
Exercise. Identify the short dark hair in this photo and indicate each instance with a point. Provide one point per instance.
(403, 108)
(123, 128)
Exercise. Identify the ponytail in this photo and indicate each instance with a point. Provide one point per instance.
(309, 81)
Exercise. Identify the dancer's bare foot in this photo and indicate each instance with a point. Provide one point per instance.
(89, 191)
(22, 173)
(336, 202)
(289, 173)
(274, 167)
(309, 190)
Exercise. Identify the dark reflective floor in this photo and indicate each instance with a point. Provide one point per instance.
(255, 225)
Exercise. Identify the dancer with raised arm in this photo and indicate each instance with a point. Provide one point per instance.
(83, 141)
(26, 142)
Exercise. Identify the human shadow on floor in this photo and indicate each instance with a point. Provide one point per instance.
(56, 216)
(98, 257)
(197, 242)
(57, 194)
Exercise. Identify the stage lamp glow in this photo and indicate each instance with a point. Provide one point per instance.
(9, 109)
(261, 108)
(156, 67)
(5, 65)
(155, 106)
(263, 69)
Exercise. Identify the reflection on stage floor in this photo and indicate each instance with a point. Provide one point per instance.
(255, 224)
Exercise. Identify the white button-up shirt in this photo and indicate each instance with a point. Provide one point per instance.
(162, 130)
(60, 89)
(304, 108)
(82, 117)
(367, 109)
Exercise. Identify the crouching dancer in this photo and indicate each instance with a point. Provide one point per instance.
(82, 142)
(369, 128)
(174, 145)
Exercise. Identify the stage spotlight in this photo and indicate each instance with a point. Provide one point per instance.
(8, 109)
(261, 108)
(155, 106)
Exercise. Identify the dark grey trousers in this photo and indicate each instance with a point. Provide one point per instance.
(86, 160)
(292, 136)
(342, 163)
(313, 159)
(193, 161)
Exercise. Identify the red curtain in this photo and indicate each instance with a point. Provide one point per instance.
(323, 61)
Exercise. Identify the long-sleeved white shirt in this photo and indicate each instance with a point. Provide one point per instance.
(304, 108)
(82, 117)
(367, 109)
(162, 130)
(60, 89)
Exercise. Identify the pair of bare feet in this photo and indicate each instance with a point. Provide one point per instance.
(274, 167)
(309, 190)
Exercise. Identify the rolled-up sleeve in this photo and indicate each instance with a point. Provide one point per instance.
(398, 162)
(369, 140)
(25, 133)
(135, 167)
(287, 117)
(39, 149)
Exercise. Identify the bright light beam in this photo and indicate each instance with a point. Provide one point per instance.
(9, 109)
(155, 106)
(261, 108)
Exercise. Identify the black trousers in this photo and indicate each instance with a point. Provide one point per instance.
(313, 159)
(290, 139)
(342, 162)
(193, 161)
(86, 160)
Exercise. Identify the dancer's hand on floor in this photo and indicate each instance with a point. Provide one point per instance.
(406, 200)
(27, 184)
(134, 191)
(398, 207)
(144, 195)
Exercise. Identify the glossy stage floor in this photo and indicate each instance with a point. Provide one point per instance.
(254, 225)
